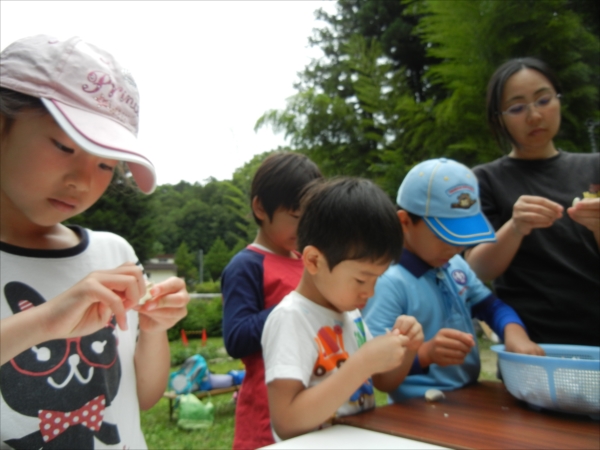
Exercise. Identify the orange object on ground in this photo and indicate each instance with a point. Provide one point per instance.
(203, 337)
(184, 338)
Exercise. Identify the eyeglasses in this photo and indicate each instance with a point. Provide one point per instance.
(520, 108)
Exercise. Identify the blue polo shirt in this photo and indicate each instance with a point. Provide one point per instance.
(443, 297)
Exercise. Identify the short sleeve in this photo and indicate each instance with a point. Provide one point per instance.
(289, 349)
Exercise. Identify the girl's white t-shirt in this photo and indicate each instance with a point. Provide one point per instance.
(79, 393)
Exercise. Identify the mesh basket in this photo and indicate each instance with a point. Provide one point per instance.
(567, 379)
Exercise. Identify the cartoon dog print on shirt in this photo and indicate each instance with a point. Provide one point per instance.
(65, 383)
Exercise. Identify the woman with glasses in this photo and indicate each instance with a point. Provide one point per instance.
(546, 262)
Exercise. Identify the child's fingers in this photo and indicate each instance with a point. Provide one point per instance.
(112, 301)
(126, 285)
(457, 335)
(172, 300)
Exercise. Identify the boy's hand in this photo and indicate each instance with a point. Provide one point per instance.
(409, 327)
(517, 341)
(89, 305)
(448, 347)
(384, 352)
(530, 212)
(167, 306)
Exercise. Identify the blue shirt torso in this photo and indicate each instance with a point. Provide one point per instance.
(438, 298)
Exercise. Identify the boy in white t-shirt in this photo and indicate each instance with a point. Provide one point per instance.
(320, 358)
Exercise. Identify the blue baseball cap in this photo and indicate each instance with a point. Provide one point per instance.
(446, 194)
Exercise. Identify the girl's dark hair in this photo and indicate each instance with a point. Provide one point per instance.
(279, 181)
(13, 104)
(495, 90)
(349, 219)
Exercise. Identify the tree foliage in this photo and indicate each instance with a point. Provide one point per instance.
(123, 211)
(401, 82)
(217, 258)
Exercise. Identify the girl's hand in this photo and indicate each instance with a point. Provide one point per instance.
(587, 213)
(409, 327)
(531, 212)
(446, 348)
(88, 306)
(167, 306)
(384, 352)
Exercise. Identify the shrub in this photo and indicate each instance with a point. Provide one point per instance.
(202, 314)
(208, 287)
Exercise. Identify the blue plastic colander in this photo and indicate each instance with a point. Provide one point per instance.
(567, 379)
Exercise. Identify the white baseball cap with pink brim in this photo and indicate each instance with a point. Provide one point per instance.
(91, 97)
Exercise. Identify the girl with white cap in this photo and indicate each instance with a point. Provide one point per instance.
(80, 354)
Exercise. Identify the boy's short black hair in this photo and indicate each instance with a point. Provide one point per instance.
(349, 219)
(280, 180)
(414, 218)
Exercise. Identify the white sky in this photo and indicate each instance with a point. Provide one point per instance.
(206, 70)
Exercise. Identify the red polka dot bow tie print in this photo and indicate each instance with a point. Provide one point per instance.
(53, 423)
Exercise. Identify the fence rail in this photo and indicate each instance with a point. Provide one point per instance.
(196, 296)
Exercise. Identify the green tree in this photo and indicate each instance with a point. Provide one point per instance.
(472, 38)
(217, 258)
(186, 264)
(359, 110)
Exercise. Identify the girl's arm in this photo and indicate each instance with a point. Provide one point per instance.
(152, 362)
(152, 356)
(489, 261)
(20, 332)
(296, 410)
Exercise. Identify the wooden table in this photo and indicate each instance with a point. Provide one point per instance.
(484, 415)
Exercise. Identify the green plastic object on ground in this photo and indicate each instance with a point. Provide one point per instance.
(193, 413)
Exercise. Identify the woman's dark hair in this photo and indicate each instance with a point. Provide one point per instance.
(280, 180)
(349, 219)
(495, 90)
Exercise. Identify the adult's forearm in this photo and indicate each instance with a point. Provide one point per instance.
(489, 261)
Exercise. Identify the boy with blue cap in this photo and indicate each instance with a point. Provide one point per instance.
(440, 215)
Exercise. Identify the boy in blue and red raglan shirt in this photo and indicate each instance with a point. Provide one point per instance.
(257, 279)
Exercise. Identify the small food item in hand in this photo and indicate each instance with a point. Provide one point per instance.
(434, 395)
(147, 296)
(576, 200)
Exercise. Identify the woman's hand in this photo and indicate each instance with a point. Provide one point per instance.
(167, 306)
(516, 340)
(587, 213)
(530, 212)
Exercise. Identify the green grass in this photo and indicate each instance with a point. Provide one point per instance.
(162, 433)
